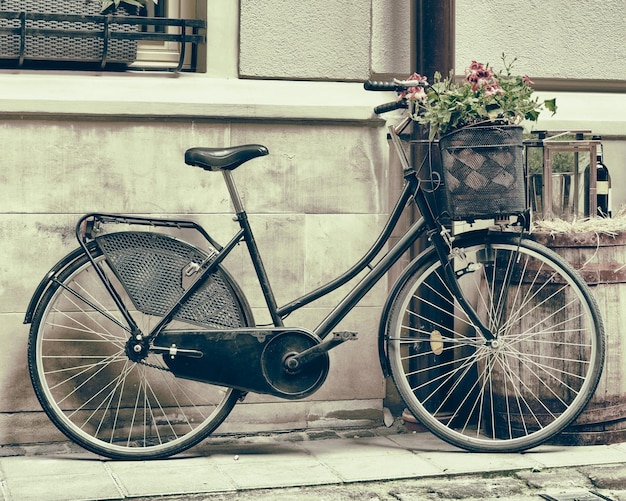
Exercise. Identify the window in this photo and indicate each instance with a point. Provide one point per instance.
(158, 54)
(64, 39)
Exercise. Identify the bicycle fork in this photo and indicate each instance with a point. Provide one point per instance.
(442, 242)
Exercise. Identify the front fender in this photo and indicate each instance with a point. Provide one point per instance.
(387, 309)
(462, 240)
(56, 270)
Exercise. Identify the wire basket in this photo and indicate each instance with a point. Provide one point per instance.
(66, 48)
(483, 172)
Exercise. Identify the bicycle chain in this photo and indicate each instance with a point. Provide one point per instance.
(147, 364)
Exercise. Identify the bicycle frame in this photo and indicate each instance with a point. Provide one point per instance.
(427, 224)
(437, 233)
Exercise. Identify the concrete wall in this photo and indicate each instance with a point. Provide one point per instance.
(347, 40)
(290, 39)
(315, 203)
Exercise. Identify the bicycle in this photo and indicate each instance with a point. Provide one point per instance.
(142, 343)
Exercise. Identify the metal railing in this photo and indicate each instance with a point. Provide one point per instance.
(105, 28)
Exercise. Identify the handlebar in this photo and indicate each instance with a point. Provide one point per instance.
(396, 86)
(393, 105)
(382, 86)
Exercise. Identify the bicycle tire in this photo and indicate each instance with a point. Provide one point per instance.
(95, 394)
(526, 387)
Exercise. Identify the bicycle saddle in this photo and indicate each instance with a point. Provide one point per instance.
(216, 159)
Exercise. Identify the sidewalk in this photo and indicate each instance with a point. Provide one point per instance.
(231, 466)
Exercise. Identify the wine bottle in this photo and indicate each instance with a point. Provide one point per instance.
(603, 184)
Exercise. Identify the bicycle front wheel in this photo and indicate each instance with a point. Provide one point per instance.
(95, 393)
(516, 391)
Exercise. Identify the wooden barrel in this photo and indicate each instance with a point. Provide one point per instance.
(601, 260)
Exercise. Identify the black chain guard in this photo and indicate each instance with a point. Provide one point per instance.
(245, 359)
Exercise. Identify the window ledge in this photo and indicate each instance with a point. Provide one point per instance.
(183, 96)
(602, 113)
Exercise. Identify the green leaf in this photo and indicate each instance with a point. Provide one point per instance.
(550, 105)
(532, 115)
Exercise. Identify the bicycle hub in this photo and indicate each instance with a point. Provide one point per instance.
(137, 348)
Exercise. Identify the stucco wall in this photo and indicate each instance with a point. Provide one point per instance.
(349, 40)
(317, 39)
(556, 39)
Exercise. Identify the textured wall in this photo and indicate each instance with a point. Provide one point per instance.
(391, 37)
(316, 39)
(553, 39)
(557, 39)
(309, 226)
(349, 40)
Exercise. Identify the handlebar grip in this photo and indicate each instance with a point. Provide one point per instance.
(372, 85)
(394, 105)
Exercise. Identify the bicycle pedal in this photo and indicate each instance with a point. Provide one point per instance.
(345, 336)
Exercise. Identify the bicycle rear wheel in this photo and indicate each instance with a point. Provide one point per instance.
(98, 396)
(526, 386)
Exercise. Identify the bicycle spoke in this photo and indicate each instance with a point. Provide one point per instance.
(94, 305)
(512, 392)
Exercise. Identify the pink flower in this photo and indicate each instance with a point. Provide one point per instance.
(493, 90)
(480, 76)
(477, 71)
(416, 93)
(526, 79)
(418, 77)
(475, 66)
(481, 82)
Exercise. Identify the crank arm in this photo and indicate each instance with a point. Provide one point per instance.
(295, 362)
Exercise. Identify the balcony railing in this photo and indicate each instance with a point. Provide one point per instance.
(99, 38)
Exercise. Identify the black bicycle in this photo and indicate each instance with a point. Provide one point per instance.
(142, 343)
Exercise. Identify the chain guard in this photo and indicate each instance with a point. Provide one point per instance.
(298, 383)
(250, 360)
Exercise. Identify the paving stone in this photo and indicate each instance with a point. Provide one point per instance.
(607, 477)
(553, 478)
(478, 488)
(56, 479)
(172, 476)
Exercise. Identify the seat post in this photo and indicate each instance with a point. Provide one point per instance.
(242, 219)
(232, 190)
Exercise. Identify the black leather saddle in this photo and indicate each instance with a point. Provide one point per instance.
(217, 159)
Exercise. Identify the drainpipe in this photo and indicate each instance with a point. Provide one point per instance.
(432, 36)
(432, 50)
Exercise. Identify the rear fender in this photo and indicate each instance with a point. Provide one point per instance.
(45, 283)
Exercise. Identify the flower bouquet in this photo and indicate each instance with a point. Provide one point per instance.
(484, 96)
(477, 124)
